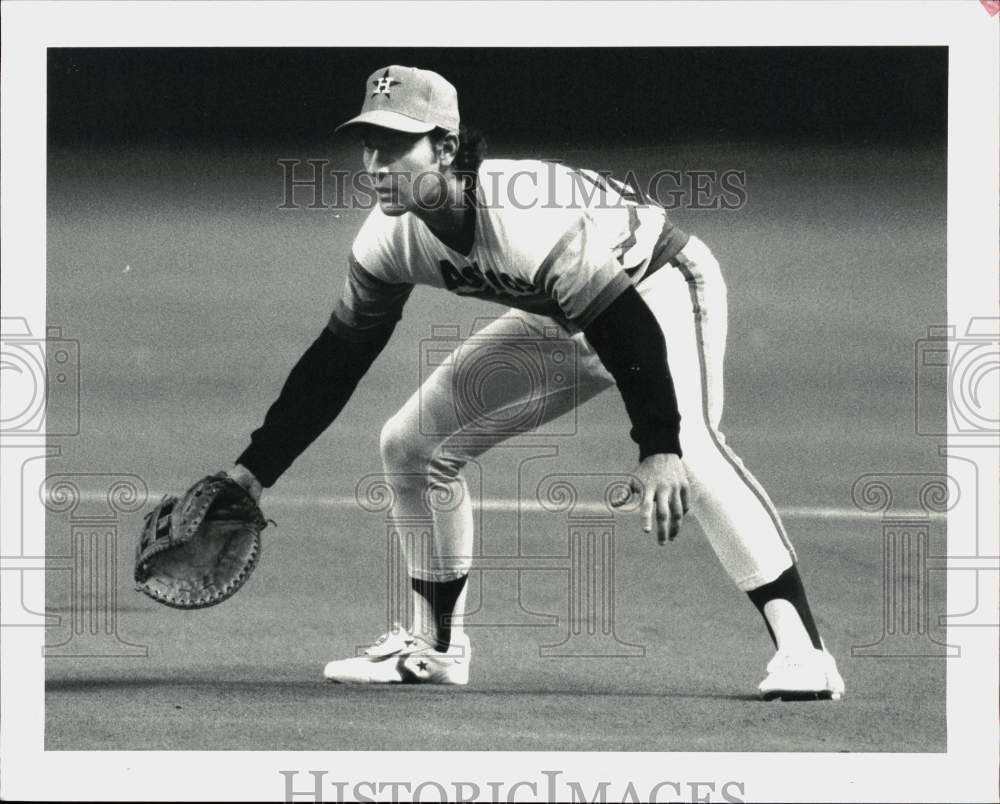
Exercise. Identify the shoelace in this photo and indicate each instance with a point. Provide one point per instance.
(788, 660)
(378, 643)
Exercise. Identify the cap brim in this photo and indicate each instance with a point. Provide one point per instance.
(383, 118)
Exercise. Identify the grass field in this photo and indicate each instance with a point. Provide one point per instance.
(191, 295)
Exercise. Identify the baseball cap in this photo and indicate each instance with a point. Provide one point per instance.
(408, 99)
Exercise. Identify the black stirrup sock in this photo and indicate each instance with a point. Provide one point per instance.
(787, 586)
(442, 596)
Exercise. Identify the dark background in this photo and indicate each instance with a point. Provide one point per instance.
(255, 95)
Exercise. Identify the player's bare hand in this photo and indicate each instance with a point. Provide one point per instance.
(661, 483)
(247, 479)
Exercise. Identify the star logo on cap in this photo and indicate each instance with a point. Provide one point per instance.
(384, 84)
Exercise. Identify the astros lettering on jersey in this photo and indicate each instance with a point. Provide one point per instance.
(559, 268)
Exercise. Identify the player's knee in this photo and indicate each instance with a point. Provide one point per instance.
(402, 446)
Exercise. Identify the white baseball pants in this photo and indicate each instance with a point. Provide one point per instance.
(424, 446)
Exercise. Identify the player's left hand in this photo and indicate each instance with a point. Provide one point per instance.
(661, 482)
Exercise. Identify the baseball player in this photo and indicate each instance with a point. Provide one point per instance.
(645, 304)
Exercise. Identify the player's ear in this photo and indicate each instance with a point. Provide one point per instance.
(447, 148)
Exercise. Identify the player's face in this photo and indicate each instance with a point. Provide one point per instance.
(404, 168)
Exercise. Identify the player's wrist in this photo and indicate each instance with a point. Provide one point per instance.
(247, 479)
(664, 444)
(661, 457)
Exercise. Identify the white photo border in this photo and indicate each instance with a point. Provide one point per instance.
(968, 771)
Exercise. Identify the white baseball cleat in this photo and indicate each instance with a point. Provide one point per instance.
(802, 676)
(401, 657)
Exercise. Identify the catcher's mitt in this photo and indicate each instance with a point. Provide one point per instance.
(198, 550)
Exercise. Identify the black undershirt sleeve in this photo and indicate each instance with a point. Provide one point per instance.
(630, 344)
(317, 388)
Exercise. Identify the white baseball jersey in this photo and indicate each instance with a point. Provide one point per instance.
(549, 239)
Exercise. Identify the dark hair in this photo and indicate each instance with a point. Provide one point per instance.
(471, 150)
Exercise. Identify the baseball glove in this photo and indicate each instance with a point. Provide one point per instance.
(198, 550)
